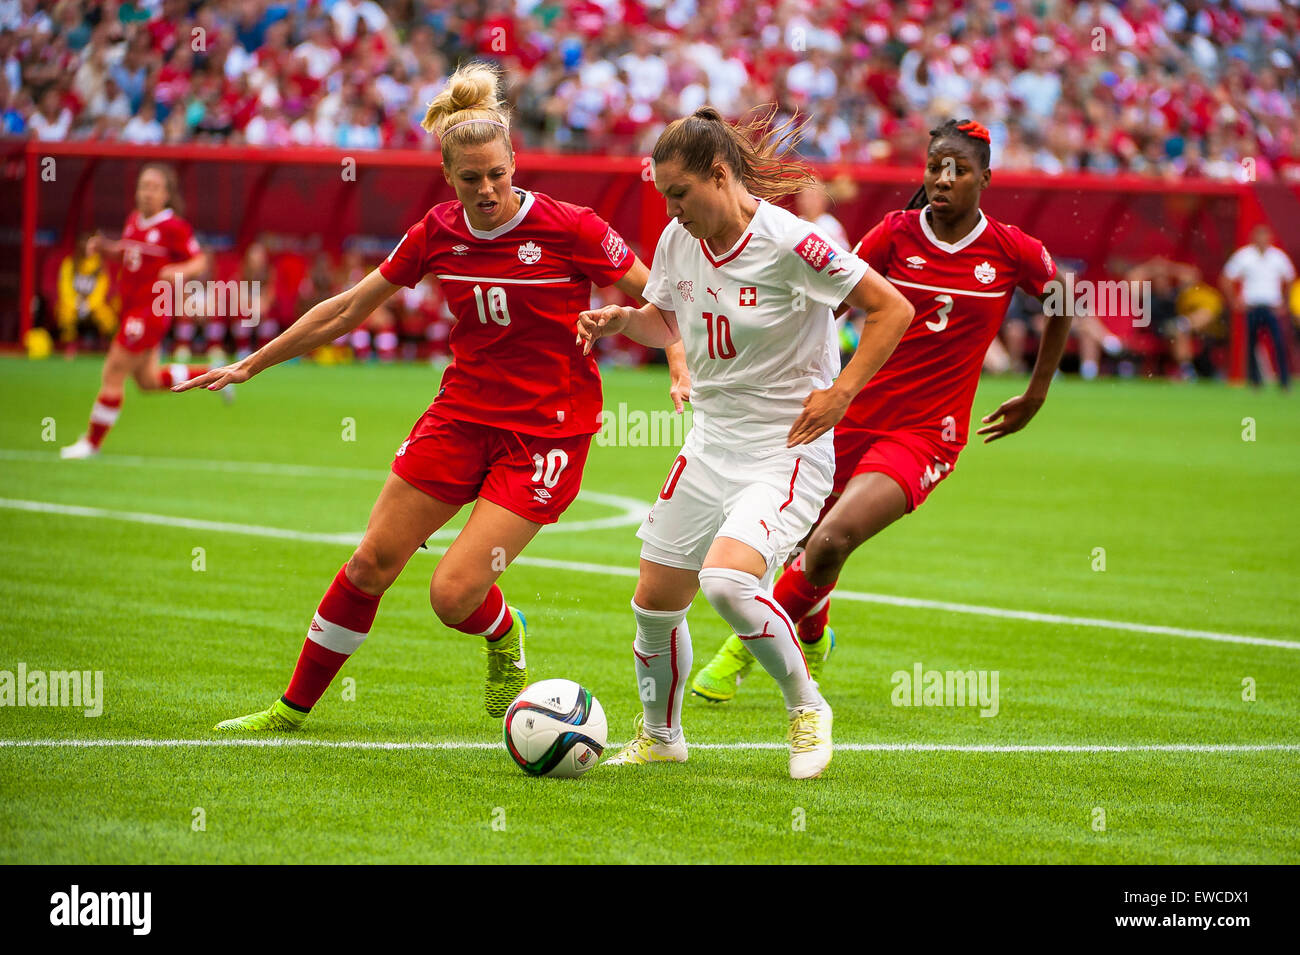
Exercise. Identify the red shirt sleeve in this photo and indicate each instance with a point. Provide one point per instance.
(1037, 267)
(184, 245)
(874, 246)
(599, 252)
(405, 264)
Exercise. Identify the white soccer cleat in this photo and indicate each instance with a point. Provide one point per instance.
(645, 749)
(810, 740)
(81, 449)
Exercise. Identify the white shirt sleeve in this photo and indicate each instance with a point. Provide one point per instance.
(1284, 264)
(825, 270)
(658, 286)
(1232, 268)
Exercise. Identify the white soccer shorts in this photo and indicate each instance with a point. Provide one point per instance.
(768, 500)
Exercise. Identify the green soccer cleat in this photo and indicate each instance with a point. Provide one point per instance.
(719, 681)
(507, 671)
(280, 718)
(818, 653)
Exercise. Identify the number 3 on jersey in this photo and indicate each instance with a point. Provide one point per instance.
(945, 306)
(496, 305)
(718, 329)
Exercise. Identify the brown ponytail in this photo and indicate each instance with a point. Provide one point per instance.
(752, 152)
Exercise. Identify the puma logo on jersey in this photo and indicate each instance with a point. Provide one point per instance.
(644, 658)
(766, 528)
(712, 292)
(915, 261)
(838, 268)
(760, 636)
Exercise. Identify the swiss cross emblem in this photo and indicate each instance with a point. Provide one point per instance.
(748, 295)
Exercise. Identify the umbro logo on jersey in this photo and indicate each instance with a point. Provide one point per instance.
(541, 495)
(402, 449)
(712, 292)
(459, 249)
(985, 273)
(749, 295)
(529, 253)
(915, 261)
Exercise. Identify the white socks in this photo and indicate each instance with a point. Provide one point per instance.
(758, 619)
(663, 668)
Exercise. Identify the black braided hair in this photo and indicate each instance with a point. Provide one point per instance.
(966, 129)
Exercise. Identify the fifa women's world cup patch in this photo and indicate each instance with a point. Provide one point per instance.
(816, 251)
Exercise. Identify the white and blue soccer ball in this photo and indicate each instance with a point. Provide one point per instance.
(555, 728)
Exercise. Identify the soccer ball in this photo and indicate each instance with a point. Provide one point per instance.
(555, 728)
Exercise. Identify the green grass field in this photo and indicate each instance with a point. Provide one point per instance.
(1200, 535)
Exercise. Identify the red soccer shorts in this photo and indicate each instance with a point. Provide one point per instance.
(458, 461)
(915, 462)
(140, 332)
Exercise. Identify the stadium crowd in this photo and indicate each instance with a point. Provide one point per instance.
(1191, 87)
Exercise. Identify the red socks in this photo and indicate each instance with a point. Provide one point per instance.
(103, 415)
(492, 619)
(170, 375)
(340, 624)
(801, 599)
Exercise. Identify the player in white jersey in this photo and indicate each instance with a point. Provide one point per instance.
(749, 289)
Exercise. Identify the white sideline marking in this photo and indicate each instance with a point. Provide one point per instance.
(255, 530)
(632, 510)
(840, 747)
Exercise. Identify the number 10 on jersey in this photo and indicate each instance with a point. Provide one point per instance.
(719, 333)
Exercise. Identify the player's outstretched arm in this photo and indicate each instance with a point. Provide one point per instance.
(323, 323)
(1014, 413)
(648, 325)
(888, 315)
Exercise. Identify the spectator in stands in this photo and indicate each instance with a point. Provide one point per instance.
(1256, 279)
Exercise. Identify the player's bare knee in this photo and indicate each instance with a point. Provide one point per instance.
(454, 600)
(828, 550)
(368, 571)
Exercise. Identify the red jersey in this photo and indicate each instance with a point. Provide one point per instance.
(960, 292)
(516, 292)
(148, 245)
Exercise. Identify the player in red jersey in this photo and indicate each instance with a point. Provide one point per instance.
(903, 432)
(512, 422)
(157, 248)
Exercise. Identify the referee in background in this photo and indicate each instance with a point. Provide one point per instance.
(1265, 272)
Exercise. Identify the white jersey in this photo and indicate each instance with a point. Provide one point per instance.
(756, 322)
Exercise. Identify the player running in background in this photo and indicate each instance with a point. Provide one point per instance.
(902, 434)
(749, 288)
(157, 245)
(512, 422)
